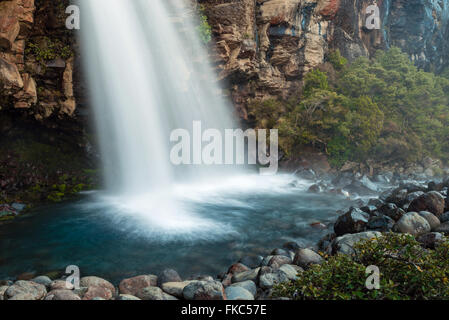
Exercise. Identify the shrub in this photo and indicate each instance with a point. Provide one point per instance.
(407, 271)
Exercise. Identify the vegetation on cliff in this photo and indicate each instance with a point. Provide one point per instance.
(380, 109)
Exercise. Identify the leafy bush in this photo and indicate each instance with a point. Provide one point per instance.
(407, 271)
(204, 29)
(381, 109)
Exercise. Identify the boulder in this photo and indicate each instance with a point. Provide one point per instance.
(280, 252)
(433, 221)
(132, 286)
(251, 261)
(175, 288)
(2, 292)
(61, 285)
(291, 271)
(237, 268)
(391, 210)
(412, 223)
(43, 280)
(153, 293)
(238, 293)
(97, 287)
(345, 244)
(443, 228)
(278, 261)
(25, 290)
(353, 221)
(248, 285)
(268, 280)
(168, 275)
(306, 257)
(381, 223)
(444, 217)
(204, 290)
(246, 275)
(431, 201)
(62, 295)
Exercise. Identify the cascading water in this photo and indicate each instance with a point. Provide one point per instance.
(147, 73)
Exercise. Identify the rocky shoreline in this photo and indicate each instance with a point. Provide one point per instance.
(415, 208)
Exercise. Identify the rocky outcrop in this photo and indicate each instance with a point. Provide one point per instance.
(263, 48)
(36, 71)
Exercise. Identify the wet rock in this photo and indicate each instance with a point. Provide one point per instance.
(168, 275)
(431, 201)
(397, 197)
(306, 257)
(238, 293)
(430, 240)
(25, 290)
(370, 209)
(43, 280)
(315, 188)
(412, 223)
(266, 260)
(94, 292)
(278, 261)
(251, 261)
(433, 221)
(443, 228)
(412, 196)
(381, 223)
(280, 252)
(325, 242)
(133, 285)
(246, 275)
(62, 295)
(237, 268)
(307, 174)
(175, 288)
(345, 243)
(248, 285)
(127, 297)
(204, 290)
(413, 187)
(444, 217)
(391, 210)
(354, 221)
(376, 202)
(292, 246)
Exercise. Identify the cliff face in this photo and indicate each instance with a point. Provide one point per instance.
(36, 59)
(264, 47)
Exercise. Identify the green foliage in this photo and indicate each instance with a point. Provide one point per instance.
(337, 60)
(204, 29)
(407, 271)
(45, 49)
(383, 109)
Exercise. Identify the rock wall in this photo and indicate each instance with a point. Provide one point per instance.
(263, 48)
(36, 59)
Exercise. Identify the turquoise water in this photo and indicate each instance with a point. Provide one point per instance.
(92, 234)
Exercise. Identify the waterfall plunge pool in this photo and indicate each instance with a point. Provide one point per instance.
(220, 222)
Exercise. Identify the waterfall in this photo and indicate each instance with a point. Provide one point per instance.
(148, 74)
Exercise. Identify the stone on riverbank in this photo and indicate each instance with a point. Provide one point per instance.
(306, 257)
(246, 275)
(412, 223)
(168, 275)
(238, 293)
(26, 290)
(175, 288)
(247, 285)
(353, 221)
(433, 221)
(97, 287)
(133, 285)
(62, 295)
(345, 244)
(204, 290)
(431, 201)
